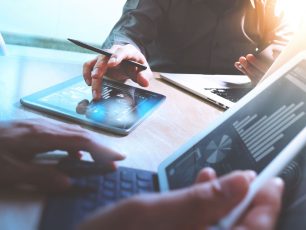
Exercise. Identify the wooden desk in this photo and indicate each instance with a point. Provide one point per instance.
(179, 118)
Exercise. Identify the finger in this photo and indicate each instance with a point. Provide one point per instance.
(203, 204)
(257, 63)
(221, 195)
(265, 207)
(87, 68)
(97, 74)
(84, 140)
(144, 77)
(42, 135)
(240, 68)
(249, 67)
(196, 207)
(127, 52)
(100, 67)
(100, 152)
(205, 175)
(251, 71)
(96, 88)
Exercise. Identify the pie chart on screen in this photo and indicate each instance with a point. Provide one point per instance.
(218, 150)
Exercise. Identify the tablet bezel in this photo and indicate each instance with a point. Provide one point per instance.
(32, 102)
(162, 174)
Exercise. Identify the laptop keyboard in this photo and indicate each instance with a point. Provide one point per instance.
(232, 94)
(65, 211)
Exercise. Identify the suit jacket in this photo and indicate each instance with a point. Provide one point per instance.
(198, 36)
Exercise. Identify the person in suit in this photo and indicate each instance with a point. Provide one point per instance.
(191, 36)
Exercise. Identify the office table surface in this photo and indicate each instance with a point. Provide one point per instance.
(180, 117)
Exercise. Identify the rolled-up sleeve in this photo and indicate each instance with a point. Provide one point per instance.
(139, 23)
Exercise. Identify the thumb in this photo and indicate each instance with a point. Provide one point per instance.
(211, 201)
(144, 77)
(200, 205)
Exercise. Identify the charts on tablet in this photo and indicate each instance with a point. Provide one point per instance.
(217, 151)
(251, 137)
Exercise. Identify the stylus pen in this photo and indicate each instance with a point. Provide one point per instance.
(272, 170)
(106, 53)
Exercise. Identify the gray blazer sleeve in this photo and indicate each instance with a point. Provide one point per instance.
(139, 23)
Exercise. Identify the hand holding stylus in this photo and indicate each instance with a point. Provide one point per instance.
(115, 68)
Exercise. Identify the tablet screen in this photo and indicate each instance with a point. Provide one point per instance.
(251, 137)
(120, 108)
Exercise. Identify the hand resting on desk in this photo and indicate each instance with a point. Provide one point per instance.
(21, 140)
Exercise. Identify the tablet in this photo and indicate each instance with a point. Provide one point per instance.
(249, 135)
(120, 110)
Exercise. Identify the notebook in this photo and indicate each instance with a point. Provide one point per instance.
(247, 136)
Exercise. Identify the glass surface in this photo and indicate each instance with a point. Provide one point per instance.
(251, 138)
(120, 107)
(2, 46)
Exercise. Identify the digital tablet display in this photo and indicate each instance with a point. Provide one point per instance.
(120, 110)
(252, 136)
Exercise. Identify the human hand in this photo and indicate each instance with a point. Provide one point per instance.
(197, 207)
(21, 140)
(94, 70)
(255, 66)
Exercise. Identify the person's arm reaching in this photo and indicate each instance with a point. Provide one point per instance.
(137, 27)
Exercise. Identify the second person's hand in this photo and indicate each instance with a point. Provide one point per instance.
(22, 140)
(95, 70)
(256, 65)
(197, 207)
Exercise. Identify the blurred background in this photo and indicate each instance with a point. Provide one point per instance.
(47, 23)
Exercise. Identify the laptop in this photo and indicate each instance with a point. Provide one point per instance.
(247, 136)
(226, 90)
(221, 90)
